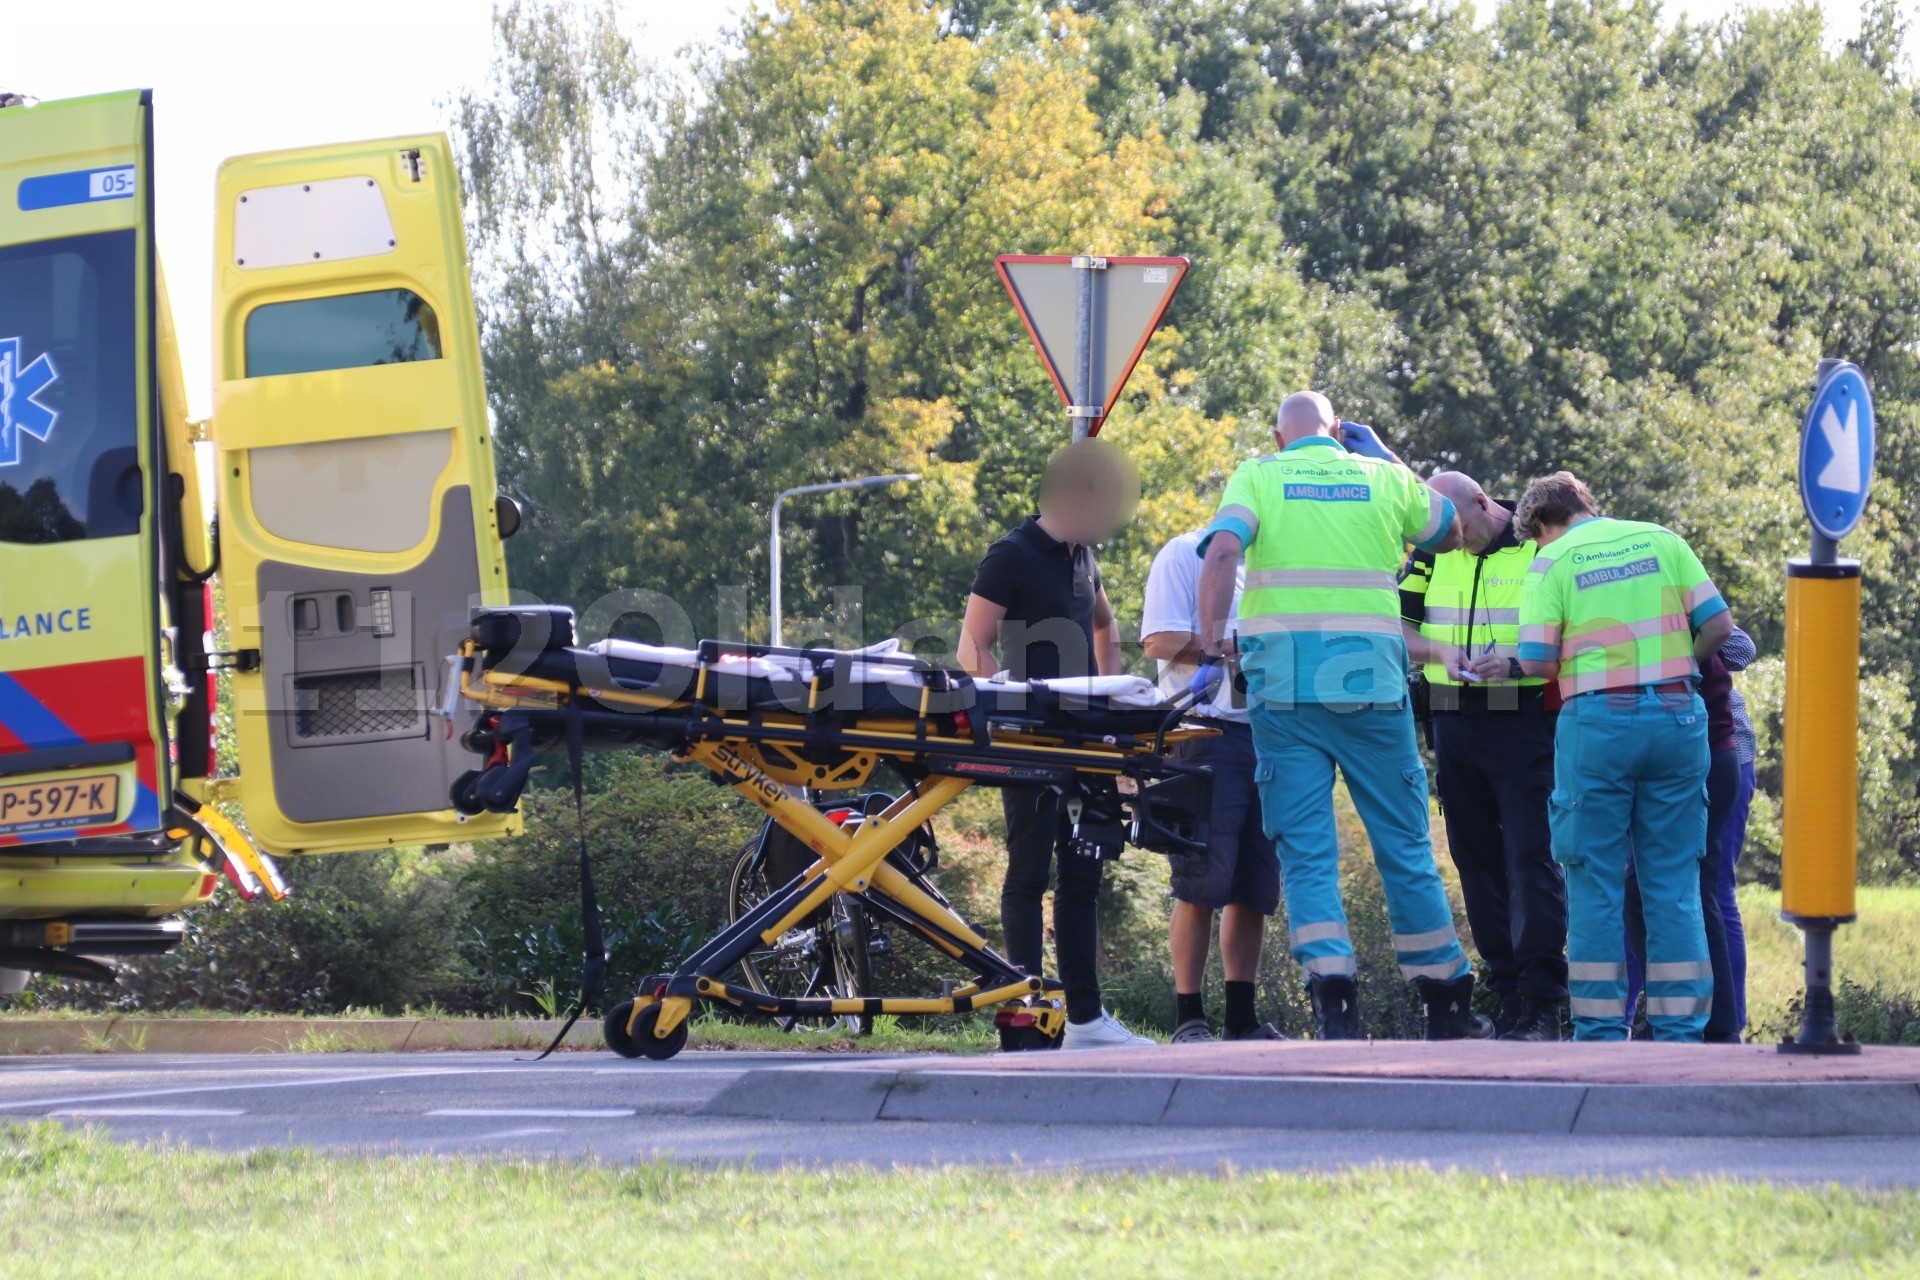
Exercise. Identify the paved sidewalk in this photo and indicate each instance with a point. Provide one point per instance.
(1628, 1090)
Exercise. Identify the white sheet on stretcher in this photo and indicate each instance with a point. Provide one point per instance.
(1119, 691)
(778, 666)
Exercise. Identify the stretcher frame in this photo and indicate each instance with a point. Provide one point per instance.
(765, 757)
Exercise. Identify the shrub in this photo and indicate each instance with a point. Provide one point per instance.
(378, 929)
(661, 840)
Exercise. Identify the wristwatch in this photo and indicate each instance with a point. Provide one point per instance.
(1514, 670)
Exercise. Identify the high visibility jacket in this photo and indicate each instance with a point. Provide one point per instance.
(1325, 532)
(1616, 602)
(1469, 600)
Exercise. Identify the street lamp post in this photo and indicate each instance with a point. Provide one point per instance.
(866, 482)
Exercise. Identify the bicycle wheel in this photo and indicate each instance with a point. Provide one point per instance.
(823, 955)
(852, 956)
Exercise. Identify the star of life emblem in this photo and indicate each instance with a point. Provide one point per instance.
(20, 407)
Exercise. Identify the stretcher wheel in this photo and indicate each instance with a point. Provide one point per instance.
(461, 793)
(652, 1046)
(614, 1030)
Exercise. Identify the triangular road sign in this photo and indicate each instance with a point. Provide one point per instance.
(1129, 296)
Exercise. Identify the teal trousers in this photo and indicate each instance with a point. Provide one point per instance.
(1374, 747)
(1630, 772)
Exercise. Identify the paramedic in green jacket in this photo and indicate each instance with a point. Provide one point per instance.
(1323, 530)
(1622, 614)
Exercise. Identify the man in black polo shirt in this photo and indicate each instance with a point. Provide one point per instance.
(1038, 596)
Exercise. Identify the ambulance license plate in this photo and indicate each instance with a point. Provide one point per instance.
(59, 802)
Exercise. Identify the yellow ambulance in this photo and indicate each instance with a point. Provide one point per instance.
(357, 524)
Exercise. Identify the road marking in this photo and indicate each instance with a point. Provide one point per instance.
(534, 1113)
(82, 1099)
(181, 1113)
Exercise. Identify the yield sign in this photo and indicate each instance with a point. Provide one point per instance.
(1090, 319)
(1836, 451)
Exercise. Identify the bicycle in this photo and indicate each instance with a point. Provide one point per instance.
(829, 953)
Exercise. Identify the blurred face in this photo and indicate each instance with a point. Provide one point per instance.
(1089, 491)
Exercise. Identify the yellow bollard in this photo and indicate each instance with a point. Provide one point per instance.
(1822, 779)
(1820, 794)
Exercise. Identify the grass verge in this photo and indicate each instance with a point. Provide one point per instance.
(969, 1035)
(76, 1204)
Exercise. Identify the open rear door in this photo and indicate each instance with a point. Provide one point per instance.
(357, 498)
(83, 692)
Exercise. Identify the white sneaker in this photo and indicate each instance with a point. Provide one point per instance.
(1104, 1032)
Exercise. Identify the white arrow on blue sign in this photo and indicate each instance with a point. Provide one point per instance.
(1836, 452)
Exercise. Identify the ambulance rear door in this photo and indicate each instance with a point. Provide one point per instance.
(83, 693)
(357, 494)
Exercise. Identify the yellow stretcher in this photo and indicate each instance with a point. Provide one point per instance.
(777, 724)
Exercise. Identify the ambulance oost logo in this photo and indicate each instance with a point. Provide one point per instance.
(1836, 452)
(20, 408)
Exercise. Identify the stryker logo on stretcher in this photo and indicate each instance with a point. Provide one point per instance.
(1330, 492)
(46, 624)
(1616, 573)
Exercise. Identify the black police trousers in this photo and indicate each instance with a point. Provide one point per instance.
(1496, 774)
(1036, 828)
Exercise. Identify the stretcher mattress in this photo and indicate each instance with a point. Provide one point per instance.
(877, 683)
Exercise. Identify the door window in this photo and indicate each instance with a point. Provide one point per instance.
(69, 460)
(347, 331)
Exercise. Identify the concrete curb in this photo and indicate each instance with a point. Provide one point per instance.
(283, 1035)
(1829, 1109)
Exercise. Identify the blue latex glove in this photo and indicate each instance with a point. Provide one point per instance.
(1363, 439)
(1206, 679)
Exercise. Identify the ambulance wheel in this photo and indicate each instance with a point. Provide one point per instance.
(653, 1046)
(614, 1030)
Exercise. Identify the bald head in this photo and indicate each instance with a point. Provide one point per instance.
(1457, 485)
(1303, 414)
(1481, 518)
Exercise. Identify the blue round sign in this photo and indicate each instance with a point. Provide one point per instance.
(1836, 452)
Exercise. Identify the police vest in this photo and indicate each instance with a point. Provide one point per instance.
(1472, 603)
(1325, 531)
(1616, 603)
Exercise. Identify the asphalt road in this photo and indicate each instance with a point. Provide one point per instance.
(581, 1103)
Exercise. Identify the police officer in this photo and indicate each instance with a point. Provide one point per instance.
(1622, 614)
(1493, 744)
(1324, 531)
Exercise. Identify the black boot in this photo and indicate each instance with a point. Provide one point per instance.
(1513, 1007)
(1336, 1006)
(1539, 1020)
(1449, 1015)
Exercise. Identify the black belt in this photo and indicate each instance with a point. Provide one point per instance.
(1474, 699)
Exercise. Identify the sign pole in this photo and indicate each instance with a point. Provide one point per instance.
(1820, 795)
(1086, 408)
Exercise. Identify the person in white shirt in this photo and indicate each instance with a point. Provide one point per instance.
(1239, 874)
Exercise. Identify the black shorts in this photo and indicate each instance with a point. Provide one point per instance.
(1240, 867)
